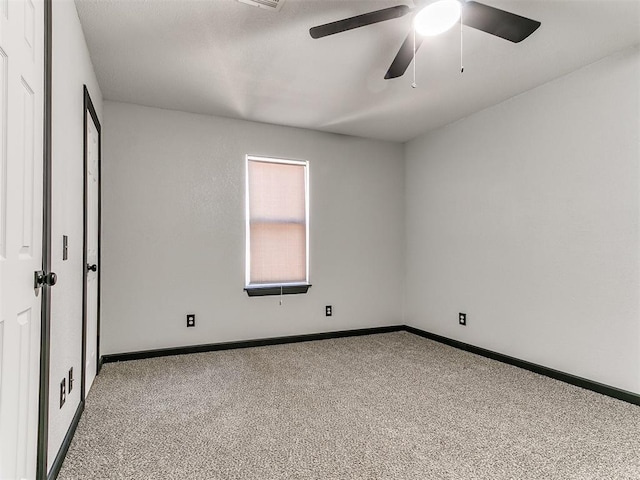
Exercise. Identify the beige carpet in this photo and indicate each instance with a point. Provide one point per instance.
(389, 406)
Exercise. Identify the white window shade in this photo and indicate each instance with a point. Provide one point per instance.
(276, 222)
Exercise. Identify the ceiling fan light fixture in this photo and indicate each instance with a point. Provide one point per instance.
(437, 17)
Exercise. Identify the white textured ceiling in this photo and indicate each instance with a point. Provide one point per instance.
(223, 57)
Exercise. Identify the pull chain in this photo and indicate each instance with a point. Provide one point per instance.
(461, 66)
(413, 85)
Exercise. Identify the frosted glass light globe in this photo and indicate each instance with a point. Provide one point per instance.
(437, 18)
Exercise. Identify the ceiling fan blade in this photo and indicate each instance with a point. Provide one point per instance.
(497, 22)
(359, 21)
(404, 56)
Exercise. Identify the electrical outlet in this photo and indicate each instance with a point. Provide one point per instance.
(328, 310)
(191, 320)
(70, 379)
(462, 318)
(65, 247)
(63, 391)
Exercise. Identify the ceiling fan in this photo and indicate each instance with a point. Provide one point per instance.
(433, 19)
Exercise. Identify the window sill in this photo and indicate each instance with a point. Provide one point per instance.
(258, 291)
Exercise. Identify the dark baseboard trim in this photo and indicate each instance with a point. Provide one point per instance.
(100, 362)
(66, 442)
(601, 388)
(607, 390)
(212, 347)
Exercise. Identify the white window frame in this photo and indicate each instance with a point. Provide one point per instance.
(247, 236)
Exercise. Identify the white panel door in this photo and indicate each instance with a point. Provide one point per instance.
(93, 146)
(21, 164)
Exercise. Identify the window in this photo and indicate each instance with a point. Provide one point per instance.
(277, 227)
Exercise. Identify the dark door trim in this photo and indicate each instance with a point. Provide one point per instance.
(90, 111)
(45, 319)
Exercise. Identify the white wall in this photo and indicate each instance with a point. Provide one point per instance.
(71, 69)
(525, 216)
(173, 230)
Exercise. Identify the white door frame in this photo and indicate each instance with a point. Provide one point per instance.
(90, 113)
